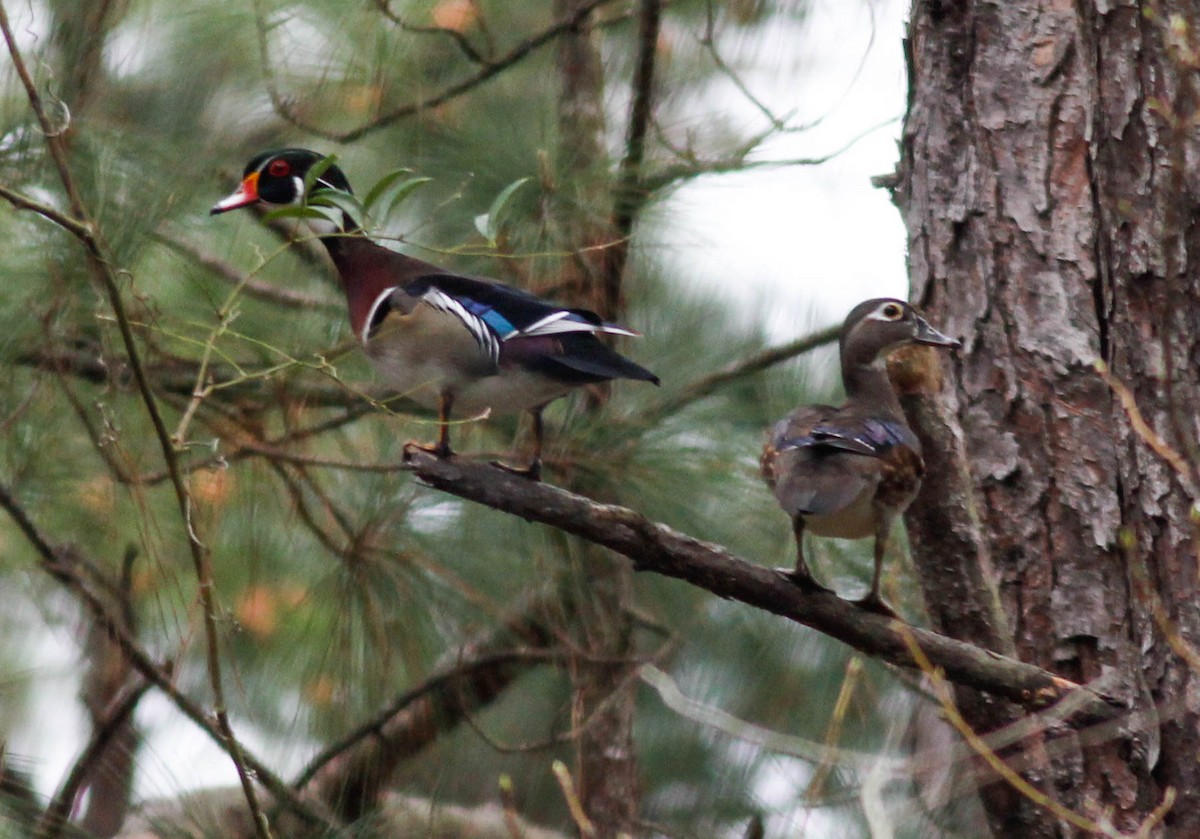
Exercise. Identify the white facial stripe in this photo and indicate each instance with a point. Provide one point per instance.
(878, 314)
(379, 301)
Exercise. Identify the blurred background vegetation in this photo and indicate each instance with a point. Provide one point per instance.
(342, 585)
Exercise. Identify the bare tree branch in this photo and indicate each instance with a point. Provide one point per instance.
(236, 277)
(54, 819)
(468, 50)
(705, 385)
(23, 202)
(60, 563)
(661, 550)
(692, 167)
(101, 263)
(348, 775)
(630, 196)
(177, 376)
(488, 70)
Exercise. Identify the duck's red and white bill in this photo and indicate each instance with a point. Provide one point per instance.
(245, 195)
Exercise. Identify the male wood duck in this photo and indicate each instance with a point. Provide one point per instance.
(463, 345)
(849, 472)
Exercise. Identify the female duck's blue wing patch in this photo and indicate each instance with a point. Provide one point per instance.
(871, 437)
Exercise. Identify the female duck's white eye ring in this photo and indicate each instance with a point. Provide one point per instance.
(892, 311)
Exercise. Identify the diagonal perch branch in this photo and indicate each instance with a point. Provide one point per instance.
(657, 548)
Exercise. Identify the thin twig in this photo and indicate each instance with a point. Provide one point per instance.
(68, 223)
(748, 732)
(225, 271)
(596, 713)
(1152, 821)
(486, 72)
(574, 805)
(833, 733)
(945, 697)
(101, 263)
(672, 176)
(58, 564)
(54, 818)
(709, 41)
(115, 467)
(509, 803)
(273, 449)
(732, 372)
(1173, 458)
(359, 769)
(629, 195)
(468, 50)
(376, 726)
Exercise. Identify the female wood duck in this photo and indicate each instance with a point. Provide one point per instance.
(461, 344)
(848, 472)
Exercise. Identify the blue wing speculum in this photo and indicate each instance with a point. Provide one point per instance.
(495, 313)
(487, 326)
(870, 437)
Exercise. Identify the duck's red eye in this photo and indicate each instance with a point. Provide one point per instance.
(279, 168)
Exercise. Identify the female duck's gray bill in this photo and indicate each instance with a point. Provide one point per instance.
(926, 334)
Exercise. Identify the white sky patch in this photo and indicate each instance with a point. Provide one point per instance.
(434, 519)
(130, 48)
(803, 244)
(30, 25)
(53, 707)
(179, 756)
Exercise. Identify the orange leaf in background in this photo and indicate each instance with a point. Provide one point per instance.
(320, 691)
(362, 98)
(98, 494)
(458, 15)
(212, 486)
(293, 595)
(144, 578)
(256, 611)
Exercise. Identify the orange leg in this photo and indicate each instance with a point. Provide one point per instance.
(445, 401)
(534, 470)
(442, 447)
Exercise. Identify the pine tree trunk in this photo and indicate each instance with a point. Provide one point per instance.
(603, 705)
(1047, 182)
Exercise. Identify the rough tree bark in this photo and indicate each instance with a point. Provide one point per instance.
(1045, 184)
(603, 703)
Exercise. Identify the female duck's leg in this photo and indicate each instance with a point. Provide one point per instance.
(801, 575)
(873, 601)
